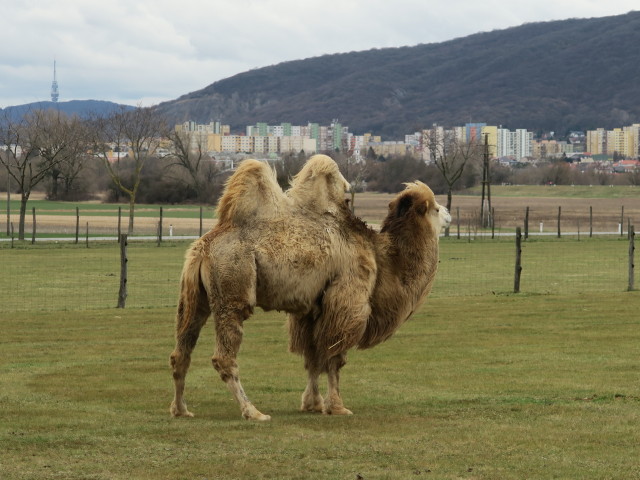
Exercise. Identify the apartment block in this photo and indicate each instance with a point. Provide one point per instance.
(624, 141)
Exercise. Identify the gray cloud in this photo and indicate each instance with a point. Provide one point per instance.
(147, 51)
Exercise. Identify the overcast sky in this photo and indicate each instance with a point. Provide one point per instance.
(147, 51)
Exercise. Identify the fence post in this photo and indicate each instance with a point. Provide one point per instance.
(559, 213)
(77, 224)
(119, 221)
(160, 228)
(590, 221)
(122, 294)
(518, 270)
(8, 204)
(11, 234)
(526, 224)
(632, 248)
(87, 234)
(458, 221)
(622, 221)
(493, 223)
(33, 230)
(200, 221)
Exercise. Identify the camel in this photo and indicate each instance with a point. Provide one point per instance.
(342, 284)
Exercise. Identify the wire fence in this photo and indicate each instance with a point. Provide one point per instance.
(67, 276)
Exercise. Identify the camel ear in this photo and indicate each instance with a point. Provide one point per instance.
(404, 205)
(422, 208)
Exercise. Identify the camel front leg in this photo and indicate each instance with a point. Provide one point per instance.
(333, 404)
(228, 340)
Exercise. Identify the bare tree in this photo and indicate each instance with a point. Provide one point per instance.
(189, 153)
(451, 155)
(33, 145)
(355, 171)
(134, 131)
(71, 157)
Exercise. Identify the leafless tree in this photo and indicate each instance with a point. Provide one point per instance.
(134, 131)
(451, 155)
(189, 152)
(71, 158)
(355, 171)
(33, 146)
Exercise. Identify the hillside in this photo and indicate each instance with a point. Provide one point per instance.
(562, 75)
(81, 108)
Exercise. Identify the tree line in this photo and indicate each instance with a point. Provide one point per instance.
(133, 155)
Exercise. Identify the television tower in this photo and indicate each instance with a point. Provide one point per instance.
(54, 85)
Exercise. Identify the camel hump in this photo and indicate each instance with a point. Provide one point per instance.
(319, 185)
(252, 192)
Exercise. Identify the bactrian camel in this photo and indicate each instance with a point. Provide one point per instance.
(342, 284)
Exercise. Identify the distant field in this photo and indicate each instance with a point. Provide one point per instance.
(509, 202)
(561, 191)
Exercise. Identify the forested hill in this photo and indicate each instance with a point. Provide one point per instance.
(82, 108)
(564, 75)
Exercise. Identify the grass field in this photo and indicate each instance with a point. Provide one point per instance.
(65, 276)
(479, 384)
(487, 387)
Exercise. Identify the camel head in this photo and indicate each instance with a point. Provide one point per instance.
(417, 202)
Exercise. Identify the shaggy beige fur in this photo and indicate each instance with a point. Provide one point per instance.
(303, 253)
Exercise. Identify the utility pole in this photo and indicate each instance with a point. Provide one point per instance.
(486, 185)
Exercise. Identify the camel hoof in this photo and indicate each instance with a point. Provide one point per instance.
(254, 415)
(179, 412)
(312, 405)
(311, 408)
(260, 417)
(337, 411)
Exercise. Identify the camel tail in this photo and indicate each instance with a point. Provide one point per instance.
(193, 305)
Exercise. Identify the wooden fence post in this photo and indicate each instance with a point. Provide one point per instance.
(559, 213)
(526, 224)
(590, 221)
(632, 248)
(122, 294)
(493, 223)
(160, 228)
(8, 204)
(458, 221)
(11, 234)
(119, 221)
(33, 230)
(87, 234)
(77, 224)
(518, 269)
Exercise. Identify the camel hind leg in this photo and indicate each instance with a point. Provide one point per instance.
(228, 339)
(190, 319)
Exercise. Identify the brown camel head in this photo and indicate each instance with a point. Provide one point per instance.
(417, 204)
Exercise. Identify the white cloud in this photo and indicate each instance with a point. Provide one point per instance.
(147, 51)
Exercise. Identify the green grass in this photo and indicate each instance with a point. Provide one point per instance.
(65, 276)
(507, 387)
(560, 191)
(47, 207)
